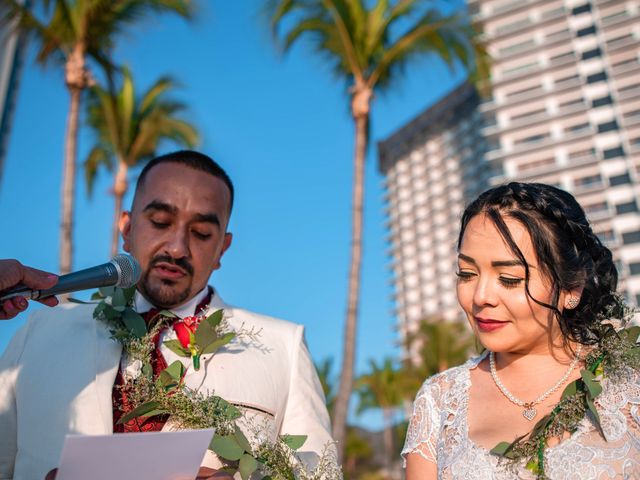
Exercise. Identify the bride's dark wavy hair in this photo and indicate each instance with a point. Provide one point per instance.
(568, 251)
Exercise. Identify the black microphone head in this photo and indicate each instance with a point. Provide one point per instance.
(129, 271)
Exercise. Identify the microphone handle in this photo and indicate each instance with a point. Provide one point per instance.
(95, 277)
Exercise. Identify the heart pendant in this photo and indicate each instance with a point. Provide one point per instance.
(529, 413)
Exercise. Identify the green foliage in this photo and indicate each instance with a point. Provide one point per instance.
(128, 128)
(372, 42)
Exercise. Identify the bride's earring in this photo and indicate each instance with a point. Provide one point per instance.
(572, 303)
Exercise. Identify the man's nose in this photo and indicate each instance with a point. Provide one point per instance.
(177, 244)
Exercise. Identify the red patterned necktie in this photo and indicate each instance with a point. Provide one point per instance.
(120, 402)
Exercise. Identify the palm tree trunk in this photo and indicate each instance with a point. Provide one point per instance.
(388, 439)
(69, 181)
(76, 81)
(346, 378)
(120, 187)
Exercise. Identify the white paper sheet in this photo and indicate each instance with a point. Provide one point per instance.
(136, 456)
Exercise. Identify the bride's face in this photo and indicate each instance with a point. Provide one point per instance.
(491, 289)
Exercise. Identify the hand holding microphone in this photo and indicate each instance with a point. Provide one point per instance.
(19, 283)
(13, 273)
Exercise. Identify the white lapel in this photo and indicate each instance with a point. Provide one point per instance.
(107, 362)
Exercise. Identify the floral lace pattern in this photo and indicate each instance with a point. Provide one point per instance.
(438, 431)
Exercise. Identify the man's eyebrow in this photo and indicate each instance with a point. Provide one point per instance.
(161, 206)
(208, 218)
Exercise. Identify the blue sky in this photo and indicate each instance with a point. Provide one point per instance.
(280, 125)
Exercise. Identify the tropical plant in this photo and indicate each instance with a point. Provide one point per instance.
(325, 374)
(128, 130)
(368, 45)
(382, 388)
(71, 32)
(358, 454)
(434, 346)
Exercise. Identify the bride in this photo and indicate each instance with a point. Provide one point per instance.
(538, 288)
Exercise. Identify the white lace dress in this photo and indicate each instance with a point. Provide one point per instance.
(438, 431)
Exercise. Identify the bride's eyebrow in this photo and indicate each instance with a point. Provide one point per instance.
(495, 263)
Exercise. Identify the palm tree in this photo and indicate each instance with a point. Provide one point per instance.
(128, 131)
(382, 388)
(362, 42)
(433, 347)
(73, 31)
(325, 375)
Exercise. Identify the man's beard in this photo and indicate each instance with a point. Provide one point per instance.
(164, 294)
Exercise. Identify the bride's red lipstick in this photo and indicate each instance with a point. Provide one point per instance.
(488, 324)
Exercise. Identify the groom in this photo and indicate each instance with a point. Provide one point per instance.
(57, 376)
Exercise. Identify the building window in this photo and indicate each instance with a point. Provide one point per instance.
(590, 181)
(628, 207)
(518, 47)
(607, 127)
(581, 9)
(607, 236)
(596, 52)
(580, 127)
(527, 115)
(623, 179)
(571, 104)
(597, 77)
(532, 139)
(512, 27)
(599, 102)
(583, 32)
(613, 153)
(521, 68)
(596, 208)
(631, 237)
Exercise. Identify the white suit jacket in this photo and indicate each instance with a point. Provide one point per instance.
(57, 375)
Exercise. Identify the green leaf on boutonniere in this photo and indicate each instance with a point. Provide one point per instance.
(148, 409)
(242, 440)
(226, 447)
(215, 318)
(171, 376)
(168, 314)
(220, 342)
(134, 322)
(228, 409)
(247, 466)
(294, 442)
(593, 386)
(176, 347)
(205, 334)
(106, 291)
(96, 296)
(118, 299)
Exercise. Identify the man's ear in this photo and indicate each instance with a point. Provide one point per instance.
(226, 243)
(125, 229)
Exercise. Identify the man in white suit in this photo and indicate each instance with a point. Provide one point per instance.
(57, 375)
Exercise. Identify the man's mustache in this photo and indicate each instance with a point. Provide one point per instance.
(180, 262)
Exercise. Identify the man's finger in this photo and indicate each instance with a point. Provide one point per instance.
(49, 301)
(8, 310)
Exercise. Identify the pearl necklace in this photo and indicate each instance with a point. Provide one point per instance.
(529, 411)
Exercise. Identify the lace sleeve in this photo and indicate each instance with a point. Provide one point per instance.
(424, 425)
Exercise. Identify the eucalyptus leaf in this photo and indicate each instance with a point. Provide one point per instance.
(147, 370)
(129, 293)
(168, 314)
(142, 410)
(229, 410)
(119, 308)
(294, 442)
(106, 291)
(593, 386)
(571, 390)
(96, 296)
(81, 302)
(134, 322)
(176, 347)
(220, 342)
(596, 416)
(501, 449)
(215, 318)
(247, 466)
(540, 425)
(242, 440)
(170, 377)
(205, 334)
(632, 334)
(226, 447)
(118, 299)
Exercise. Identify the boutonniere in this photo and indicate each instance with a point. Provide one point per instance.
(199, 335)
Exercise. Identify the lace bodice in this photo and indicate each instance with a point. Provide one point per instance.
(438, 431)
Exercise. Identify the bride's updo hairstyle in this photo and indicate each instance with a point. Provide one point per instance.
(569, 254)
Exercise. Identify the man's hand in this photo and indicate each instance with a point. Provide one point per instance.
(12, 272)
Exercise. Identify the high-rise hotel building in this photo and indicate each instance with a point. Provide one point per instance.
(564, 110)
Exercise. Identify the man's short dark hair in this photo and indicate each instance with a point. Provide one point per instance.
(191, 159)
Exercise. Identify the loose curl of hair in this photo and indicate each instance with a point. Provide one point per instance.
(568, 252)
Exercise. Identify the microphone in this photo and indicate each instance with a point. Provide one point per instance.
(121, 271)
